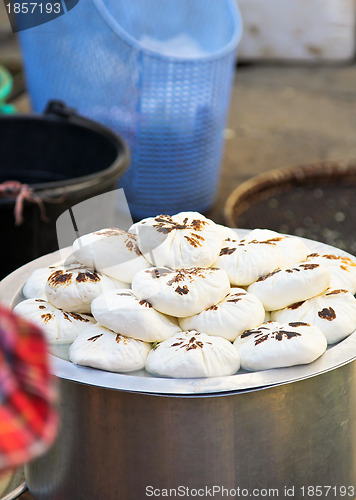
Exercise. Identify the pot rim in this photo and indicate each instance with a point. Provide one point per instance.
(335, 356)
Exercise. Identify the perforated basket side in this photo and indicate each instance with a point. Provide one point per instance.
(171, 110)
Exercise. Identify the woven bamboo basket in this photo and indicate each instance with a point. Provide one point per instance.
(316, 201)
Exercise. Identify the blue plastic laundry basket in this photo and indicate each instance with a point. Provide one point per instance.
(158, 72)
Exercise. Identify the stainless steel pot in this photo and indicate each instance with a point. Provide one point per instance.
(263, 435)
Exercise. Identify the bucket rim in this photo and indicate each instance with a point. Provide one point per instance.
(117, 167)
(130, 40)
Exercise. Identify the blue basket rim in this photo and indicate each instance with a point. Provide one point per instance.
(130, 40)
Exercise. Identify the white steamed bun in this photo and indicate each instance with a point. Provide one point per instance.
(245, 261)
(101, 348)
(193, 354)
(184, 240)
(237, 312)
(341, 268)
(333, 311)
(293, 249)
(122, 312)
(277, 345)
(111, 251)
(283, 287)
(56, 324)
(181, 293)
(75, 288)
(34, 288)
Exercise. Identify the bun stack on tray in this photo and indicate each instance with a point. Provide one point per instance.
(184, 297)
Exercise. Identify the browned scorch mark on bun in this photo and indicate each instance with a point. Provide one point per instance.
(60, 277)
(131, 244)
(269, 275)
(296, 305)
(145, 303)
(309, 267)
(110, 231)
(47, 317)
(159, 272)
(194, 240)
(337, 292)
(121, 338)
(78, 317)
(327, 313)
(85, 276)
(226, 251)
(96, 337)
(165, 224)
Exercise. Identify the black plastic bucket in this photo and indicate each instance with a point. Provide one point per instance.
(65, 159)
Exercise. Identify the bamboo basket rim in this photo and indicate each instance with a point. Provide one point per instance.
(283, 178)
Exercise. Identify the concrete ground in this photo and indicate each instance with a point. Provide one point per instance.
(287, 115)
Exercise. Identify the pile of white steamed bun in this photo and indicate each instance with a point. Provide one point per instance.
(184, 297)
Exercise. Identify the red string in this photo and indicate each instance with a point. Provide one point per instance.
(19, 192)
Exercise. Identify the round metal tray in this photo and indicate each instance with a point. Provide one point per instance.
(141, 381)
